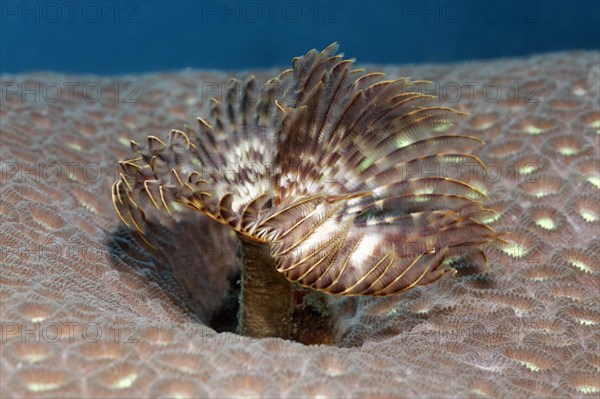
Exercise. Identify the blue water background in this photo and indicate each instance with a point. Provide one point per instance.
(108, 37)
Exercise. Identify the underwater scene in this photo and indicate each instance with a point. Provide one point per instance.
(299, 199)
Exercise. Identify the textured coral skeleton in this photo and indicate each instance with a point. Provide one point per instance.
(525, 327)
(340, 171)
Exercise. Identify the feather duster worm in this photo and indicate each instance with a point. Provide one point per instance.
(337, 184)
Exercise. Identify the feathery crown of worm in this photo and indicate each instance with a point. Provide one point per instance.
(321, 155)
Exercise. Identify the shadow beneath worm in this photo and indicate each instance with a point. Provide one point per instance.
(193, 264)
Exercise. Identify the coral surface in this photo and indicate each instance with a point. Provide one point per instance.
(89, 310)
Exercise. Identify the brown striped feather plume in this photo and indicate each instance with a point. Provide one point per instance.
(338, 170)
